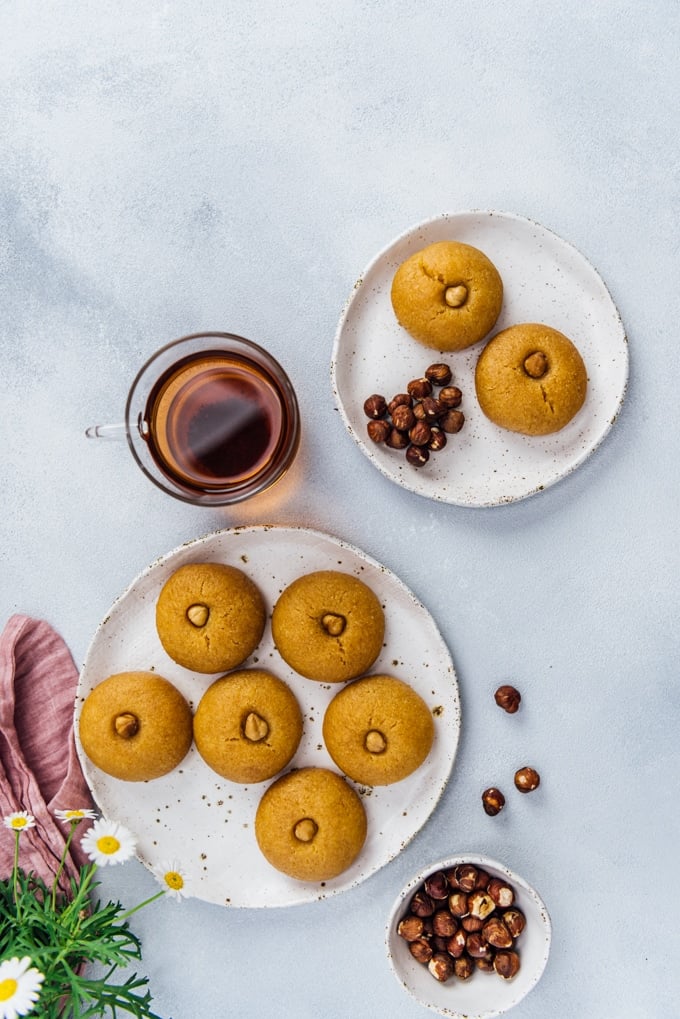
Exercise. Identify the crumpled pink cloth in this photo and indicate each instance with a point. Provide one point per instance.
(39, 767)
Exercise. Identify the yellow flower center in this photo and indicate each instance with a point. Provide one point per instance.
(72, 815)
(8, 989)
(19, 822)
(108, 845)
(174, 880)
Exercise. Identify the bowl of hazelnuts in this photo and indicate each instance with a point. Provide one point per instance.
(468, 938)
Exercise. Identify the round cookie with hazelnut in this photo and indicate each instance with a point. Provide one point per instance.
(328, 626)
(447, 295)
(248, 725)
(135, 726)
(530, 378)
(209, 616)
(310, 824)
(378, 730)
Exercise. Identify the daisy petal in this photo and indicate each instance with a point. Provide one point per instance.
(20, 985)
(19, 820)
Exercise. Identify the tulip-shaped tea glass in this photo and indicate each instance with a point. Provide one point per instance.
(211, 418)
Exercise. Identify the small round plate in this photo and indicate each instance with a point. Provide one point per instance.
(545, 280)
(205, 822)
(483, 995)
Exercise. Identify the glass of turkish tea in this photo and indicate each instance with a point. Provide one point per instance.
(211, 418)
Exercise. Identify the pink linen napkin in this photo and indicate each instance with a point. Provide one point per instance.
(39, 767)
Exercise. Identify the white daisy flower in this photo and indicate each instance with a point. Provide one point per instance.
(19, 987)
(78, 814)
(18, 821)
(108, 842)
(172, 878)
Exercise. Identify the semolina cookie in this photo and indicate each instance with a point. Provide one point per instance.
(328, 626)
(378, 730)
(531, 379)
(248, 725)
(209, 617)
(135, 726)
(448, 295)
(310, 824)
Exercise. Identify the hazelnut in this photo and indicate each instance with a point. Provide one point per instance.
(485, 964)
(400, 400)
(305, 829)
(437, 440)
(397, 439)
(515, 921)
(476, 946)
(482, 880)
(496, 933)
(450, 396)
(456, 296)
(422, 904)
(443, 924)
(439, 374)
(493, 801)
(410, 928)
(506, 964)
(198, 615)
(333, 624)
(375, 406)
(375, 742)
(418, 388)
(438, 943)
(421, 950)
(441, 966)
(417, 456)
(255, 728)
(465, 876)
(501, 893)
(527, 779)
(452, 421)
(420, 434)
(536, 364)
(436, 885)
(378, 430)
(126, 724)
(464, 967)
(419, 411)
(471, 923)
(432, 408)
(455, 945)
(403, 418)
(458, 903)
(508, 698)
(481, 904)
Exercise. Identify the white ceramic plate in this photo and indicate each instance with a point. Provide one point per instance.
(545, 280)
(202, 820)
(484, 995)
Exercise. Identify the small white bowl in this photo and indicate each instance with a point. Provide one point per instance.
(484, 995)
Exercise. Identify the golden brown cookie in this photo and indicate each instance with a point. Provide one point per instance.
(135, 726)
(530, 378)
(248, 725)
(378, 730)
(448, 295)
(209, 616)
(328, 626)
(311, 824)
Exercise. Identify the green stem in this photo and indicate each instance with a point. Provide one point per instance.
(129, 912)
(62, 862)
(15, 874)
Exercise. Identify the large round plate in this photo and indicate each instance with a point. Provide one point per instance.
(203, 821)
(545, 280)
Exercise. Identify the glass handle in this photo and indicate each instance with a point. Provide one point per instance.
(106, 432)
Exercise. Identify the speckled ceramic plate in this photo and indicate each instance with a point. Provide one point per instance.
(483, 995)
(205, 822)
(545, 280)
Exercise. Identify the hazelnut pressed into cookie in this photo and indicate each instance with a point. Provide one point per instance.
(448, 295)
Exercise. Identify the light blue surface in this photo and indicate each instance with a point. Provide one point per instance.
(172, 167)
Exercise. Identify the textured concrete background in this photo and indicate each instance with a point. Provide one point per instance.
(172, 167)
